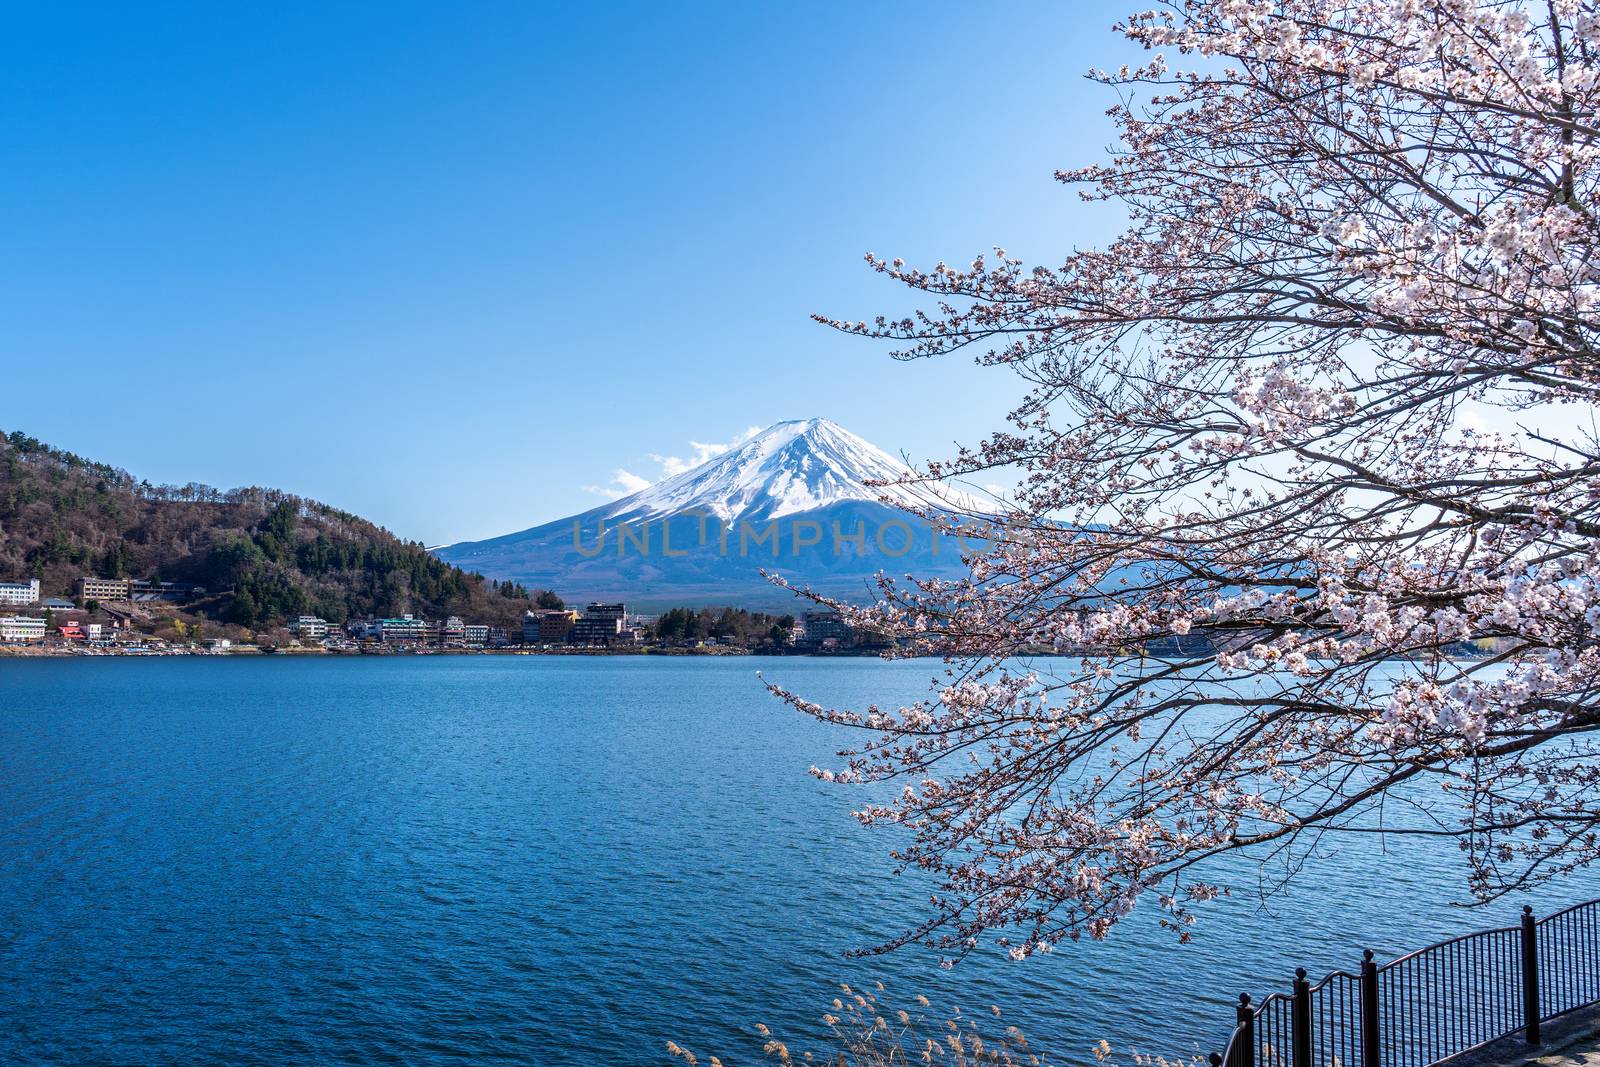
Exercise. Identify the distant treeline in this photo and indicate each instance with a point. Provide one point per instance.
(735, 625)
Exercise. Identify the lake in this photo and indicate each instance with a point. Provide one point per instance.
(545, 860)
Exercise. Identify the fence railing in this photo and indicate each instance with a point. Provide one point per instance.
(1427, 1005)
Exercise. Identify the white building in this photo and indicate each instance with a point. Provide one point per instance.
(405, 628)
(20, 592)
(309, 626)
(21, 628)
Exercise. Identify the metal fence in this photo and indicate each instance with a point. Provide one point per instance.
(1428, 1005)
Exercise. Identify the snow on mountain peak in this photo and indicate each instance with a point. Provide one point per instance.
(790, 467)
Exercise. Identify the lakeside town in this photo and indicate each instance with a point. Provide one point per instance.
(128, 616)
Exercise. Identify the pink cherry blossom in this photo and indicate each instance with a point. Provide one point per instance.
(1325, 411)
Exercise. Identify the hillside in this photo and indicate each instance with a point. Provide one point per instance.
(263, 555)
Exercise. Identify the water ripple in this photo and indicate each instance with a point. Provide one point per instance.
(529, 860)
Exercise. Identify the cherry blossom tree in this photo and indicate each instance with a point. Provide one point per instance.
(1319, 424)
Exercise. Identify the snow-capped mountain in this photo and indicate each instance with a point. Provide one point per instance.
(790, 468)
(793, 499)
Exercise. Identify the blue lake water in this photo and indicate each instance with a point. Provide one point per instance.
(539, 860)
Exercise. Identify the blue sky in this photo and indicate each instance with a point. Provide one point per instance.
(453, 266)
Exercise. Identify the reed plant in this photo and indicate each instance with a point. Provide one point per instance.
(866, 1029)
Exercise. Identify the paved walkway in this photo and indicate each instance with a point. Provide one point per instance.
(1573, 1041)
(1583, 1051)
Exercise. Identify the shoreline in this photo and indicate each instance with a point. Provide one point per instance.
(711, 652)
(24, 652)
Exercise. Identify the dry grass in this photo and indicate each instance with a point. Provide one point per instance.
(869, 1031)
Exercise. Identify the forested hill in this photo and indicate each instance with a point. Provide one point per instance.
(262, 554)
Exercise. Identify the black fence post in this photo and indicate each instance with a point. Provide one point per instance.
(1530, 976)
(1300, 1019)
(1244, 1034)
(1371, 1054)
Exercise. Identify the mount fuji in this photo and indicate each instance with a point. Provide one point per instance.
(792, 500)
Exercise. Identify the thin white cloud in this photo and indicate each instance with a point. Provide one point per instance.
(629, 481)
(622, 484)
(625, 482)
(701, 452)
